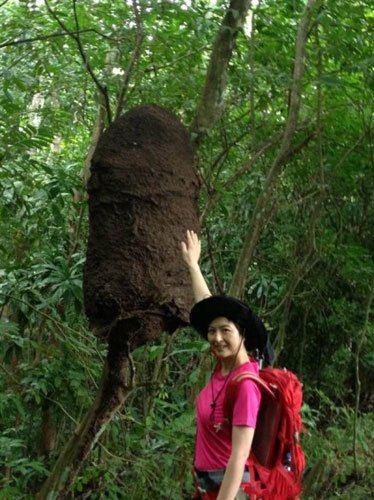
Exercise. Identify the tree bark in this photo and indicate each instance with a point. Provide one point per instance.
(48, 430)
(212, 101)
(260, 211)
(117, 382)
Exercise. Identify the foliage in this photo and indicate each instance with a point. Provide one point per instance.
(331, 472)
(311, 276)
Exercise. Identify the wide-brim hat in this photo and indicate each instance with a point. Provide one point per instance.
(205, 311)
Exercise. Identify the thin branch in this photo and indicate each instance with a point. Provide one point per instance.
(303, 338)
(117, 457)
(224, 153)
(52, 35)
(139, 37)
(98, 126)
(348, 152)
(249, 164)
(60, 326)
(75, 240)
(75, 14)
(102, 89)
(62, 408)
(319, 111)
(300, 272)
(252, 52)
(189, 53)
(215, 195)
(131, 366)
(310, 259)
(214, 268)
(10, 375)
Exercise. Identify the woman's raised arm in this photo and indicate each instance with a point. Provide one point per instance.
(191, 249)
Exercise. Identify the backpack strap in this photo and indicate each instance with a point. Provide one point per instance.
(263, 386)
(233, 387)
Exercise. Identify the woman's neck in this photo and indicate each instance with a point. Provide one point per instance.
(229, 364)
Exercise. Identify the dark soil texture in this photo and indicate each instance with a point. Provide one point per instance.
(143, 194)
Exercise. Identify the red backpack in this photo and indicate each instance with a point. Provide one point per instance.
(276, 461)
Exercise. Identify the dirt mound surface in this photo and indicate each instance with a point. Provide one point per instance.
(142, 197)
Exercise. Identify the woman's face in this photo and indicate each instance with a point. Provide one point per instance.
(224, 338)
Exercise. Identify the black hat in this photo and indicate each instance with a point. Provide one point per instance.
(205, 311)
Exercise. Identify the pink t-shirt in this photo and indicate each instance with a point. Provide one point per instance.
(213, 437)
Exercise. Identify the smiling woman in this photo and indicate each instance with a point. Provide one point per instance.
(225, 340)
(233, 331)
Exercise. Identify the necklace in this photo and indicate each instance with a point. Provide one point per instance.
(217, 426)
(215, 397)
(213, 404)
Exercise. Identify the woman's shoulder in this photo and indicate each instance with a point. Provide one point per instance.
(248, 385)
(249, 366)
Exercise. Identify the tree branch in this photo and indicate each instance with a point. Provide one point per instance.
(98, 125)
(212, 101)
(187, 54)
(311, 249)
(52, 35)
(10, 375)
(246, 167)
(102, 88)
(257, 222)
(139, 37)
(252, 52)
(214, 268)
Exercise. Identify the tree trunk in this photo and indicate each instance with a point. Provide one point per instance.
(212, 100)
(48, 430)
(115, 386)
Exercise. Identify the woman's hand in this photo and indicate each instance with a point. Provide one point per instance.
(191, 249)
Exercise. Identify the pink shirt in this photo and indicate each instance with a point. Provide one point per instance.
(213, 438)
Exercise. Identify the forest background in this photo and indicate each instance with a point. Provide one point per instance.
(277, 95)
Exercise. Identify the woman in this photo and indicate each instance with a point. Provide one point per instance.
(232, 329)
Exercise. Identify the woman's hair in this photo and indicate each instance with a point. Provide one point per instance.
(240, 329)
(242, 332)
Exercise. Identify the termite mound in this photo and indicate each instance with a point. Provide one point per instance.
(143, 192)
